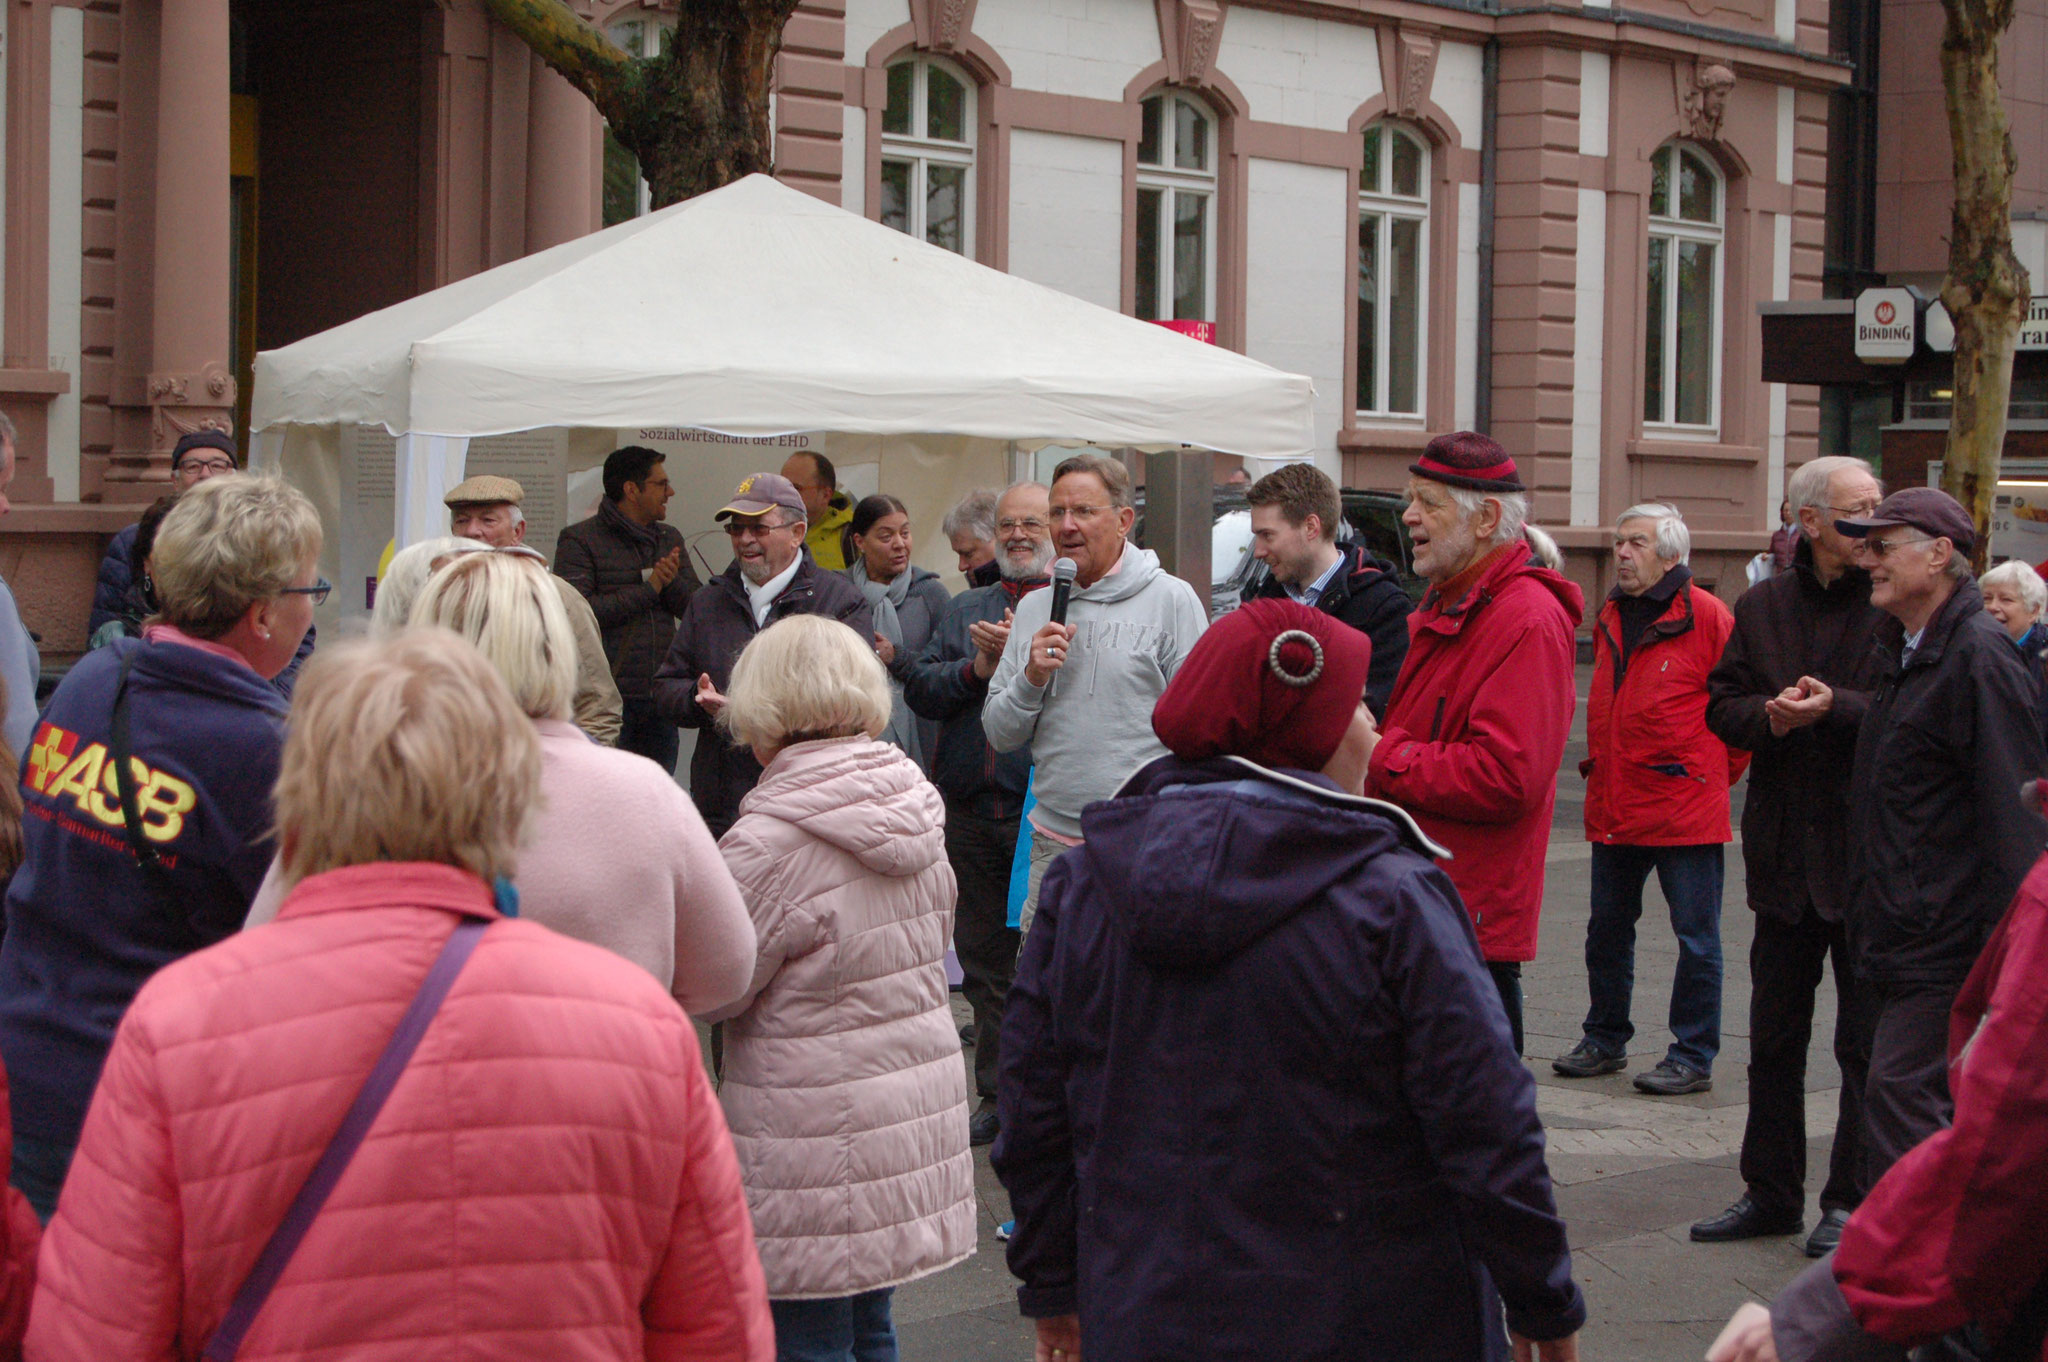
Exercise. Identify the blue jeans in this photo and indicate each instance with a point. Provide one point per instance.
(1691, 879)
(844, 1329)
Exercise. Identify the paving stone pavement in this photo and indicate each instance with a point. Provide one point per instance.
(1632, 1172)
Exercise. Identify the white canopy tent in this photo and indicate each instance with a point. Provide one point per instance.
(752, 316)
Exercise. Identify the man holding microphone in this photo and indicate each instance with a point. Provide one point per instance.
(1081, 692)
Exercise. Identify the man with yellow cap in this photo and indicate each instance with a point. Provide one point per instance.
(486, 508)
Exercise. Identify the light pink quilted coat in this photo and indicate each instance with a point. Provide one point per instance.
(551, 1178)
(844, 1085)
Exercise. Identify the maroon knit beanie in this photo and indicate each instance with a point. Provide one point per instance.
(1272, 681)
(1467, 459)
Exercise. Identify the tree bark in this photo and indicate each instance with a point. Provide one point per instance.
(696, 113)
(1986, 291)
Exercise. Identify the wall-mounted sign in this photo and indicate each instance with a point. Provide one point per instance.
(1941, 332)
(1205, 332)
(1886, 326)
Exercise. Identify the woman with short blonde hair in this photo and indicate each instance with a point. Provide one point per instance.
(148, 793)
(230, 543)
(806, 677)
(843, 1081)
(617, 855)
(555, 1108)
(406, 753)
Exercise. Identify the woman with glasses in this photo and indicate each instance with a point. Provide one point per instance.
(146, 791)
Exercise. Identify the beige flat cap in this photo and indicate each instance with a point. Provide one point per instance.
(485, 489)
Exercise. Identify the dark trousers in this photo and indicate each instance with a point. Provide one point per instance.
(981, 850)
(1690, 877)
(38, 1172)
(1507, 977)
(842, 1329)
(643, 730)
(1906, 1098)
(1786, 962)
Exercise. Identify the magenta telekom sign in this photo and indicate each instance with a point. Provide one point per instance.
(1205, 332)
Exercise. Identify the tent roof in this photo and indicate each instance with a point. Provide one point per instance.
(759, 310)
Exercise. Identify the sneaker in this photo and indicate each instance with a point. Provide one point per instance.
(1005, 1230)
(1589, 1058)
(983, 1125)
(1670, 1079)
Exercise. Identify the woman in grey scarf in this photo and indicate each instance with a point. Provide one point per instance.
(906, 602)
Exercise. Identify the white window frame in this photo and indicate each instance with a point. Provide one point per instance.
(921, 152)
(1673, 230)
(1173, 184)
(1386, 206)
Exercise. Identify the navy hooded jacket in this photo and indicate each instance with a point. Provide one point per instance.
(1258, 1095)
(85, 926)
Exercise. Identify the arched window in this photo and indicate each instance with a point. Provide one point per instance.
(1176, 209)
(1682, 296)
(1393, 271)
(928, 154)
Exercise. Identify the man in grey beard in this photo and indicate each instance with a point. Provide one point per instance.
(983, 789)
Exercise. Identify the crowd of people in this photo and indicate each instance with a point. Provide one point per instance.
(347, 994)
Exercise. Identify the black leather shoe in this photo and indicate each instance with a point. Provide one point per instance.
(1671, 1079)
(1746, 1220)
(1587, 1059)
(1827, 1235)
(967, 1034)
(983, 1125)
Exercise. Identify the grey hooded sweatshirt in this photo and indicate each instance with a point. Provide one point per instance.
(1090, 727)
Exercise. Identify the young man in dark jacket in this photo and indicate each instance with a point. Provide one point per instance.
(1297, 518)
(983, 788)
(1938, 845)
(771, 577)
(1813, 626)
(631, 566)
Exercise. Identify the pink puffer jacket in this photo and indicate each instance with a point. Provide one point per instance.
(550, 1178)
(844, 1085)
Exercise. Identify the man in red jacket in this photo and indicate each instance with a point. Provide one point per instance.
(1476, 725)
(1656, 799)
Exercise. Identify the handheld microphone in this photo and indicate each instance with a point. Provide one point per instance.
(1063, 571)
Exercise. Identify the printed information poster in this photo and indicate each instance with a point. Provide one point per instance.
(369, 471)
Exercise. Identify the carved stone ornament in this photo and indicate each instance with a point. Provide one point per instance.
(1416, 72)
(1703, 100)
(942, 25)
(1201, 29)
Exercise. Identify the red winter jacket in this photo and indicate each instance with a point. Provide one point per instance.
(1656, 777)
(550, 1178)
(1953, 1232)
(1475, 731)
(19, 1234)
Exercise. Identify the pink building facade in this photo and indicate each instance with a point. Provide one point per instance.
(1556, 221)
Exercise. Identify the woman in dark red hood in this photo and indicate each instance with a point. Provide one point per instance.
(1258, 1094)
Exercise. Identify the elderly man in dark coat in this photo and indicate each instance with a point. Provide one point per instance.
(771, 577)
(1938, 846)
(1259, 1097)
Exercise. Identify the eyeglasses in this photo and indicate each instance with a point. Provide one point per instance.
(1084, 514)
(318, 591)
(1030, 526)
(1879, 548)
(1860, 508)
(737, 530)
(209, 467)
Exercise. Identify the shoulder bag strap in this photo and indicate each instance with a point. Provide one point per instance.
(119, 752)
(284, 1241)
